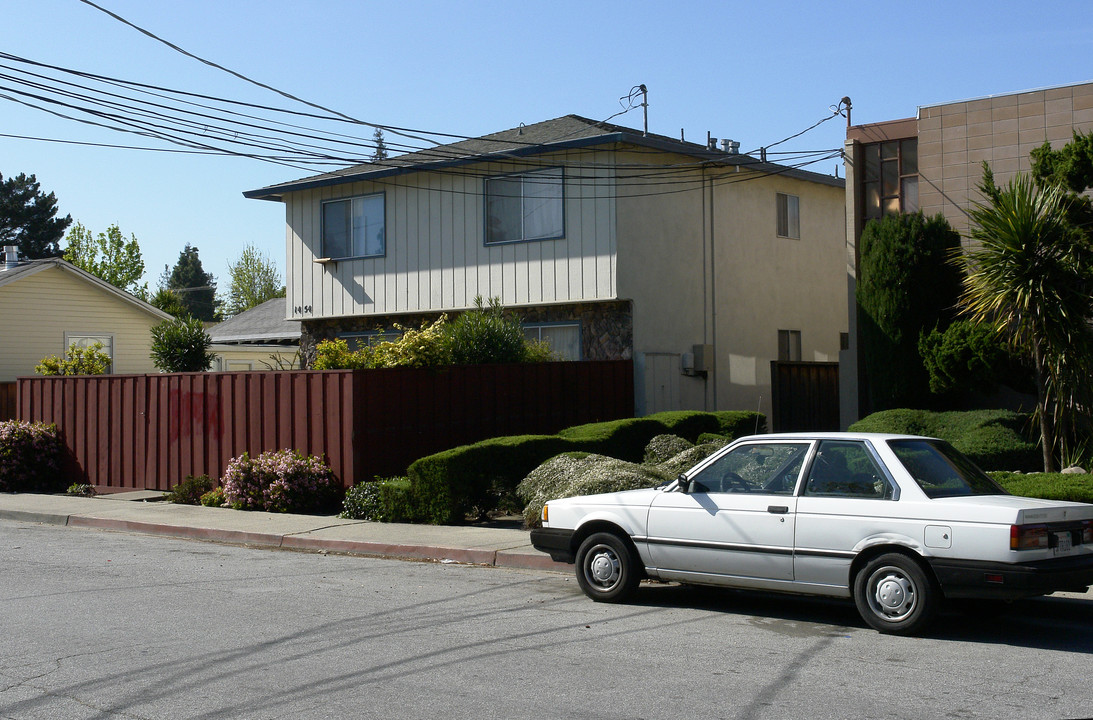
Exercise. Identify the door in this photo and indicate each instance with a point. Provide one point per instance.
(737, 519)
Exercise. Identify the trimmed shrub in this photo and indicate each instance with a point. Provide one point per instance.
(1048, 486)
(471, 480)
(30, 457)
(568, 475)
(281, 481)
(190, 490)
(689, 458)
(664, 447)
(993, 439)
(382, 500)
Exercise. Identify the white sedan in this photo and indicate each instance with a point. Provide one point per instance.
(897, 522)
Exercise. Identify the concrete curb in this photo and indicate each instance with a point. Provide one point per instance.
(514, 551)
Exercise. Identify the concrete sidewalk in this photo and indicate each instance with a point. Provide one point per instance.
(134, 512)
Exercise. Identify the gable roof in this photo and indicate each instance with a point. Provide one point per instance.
(569, 131)
(33, 267)
(264, 323)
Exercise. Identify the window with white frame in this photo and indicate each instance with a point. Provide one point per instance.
(525, 206)
(564, 339)
(789, 216)
(81, 340)
(354, 227)
(357, 340)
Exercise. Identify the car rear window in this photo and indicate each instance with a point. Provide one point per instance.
(941, 470)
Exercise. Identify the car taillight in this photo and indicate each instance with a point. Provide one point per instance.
(545, 513)
(1028, 537)
(1087, 532)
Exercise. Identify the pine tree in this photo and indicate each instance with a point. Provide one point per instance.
(195, 287)
(28, 218)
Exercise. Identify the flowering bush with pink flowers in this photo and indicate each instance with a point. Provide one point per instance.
(281, 481)
(30, 457)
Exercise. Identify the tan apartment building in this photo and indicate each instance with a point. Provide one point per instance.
(700, 264)
(933, 162)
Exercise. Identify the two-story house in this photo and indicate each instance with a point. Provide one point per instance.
(701, 264)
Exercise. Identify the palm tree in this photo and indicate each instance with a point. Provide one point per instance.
(1028, 279)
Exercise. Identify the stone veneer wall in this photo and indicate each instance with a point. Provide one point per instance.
(954, 139)
(607, 328)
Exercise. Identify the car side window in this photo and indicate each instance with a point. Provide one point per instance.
(846, 469)
(768, 468)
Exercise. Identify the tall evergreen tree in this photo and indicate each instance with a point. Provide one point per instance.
(28, 218)
(381, 146)
(195, 288)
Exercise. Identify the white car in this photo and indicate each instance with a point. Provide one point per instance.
(897, 522)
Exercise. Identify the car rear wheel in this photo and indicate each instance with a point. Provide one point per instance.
(895, 595)
(606, 568)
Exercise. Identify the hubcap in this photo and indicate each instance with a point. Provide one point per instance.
(603, 567)
(893, 596)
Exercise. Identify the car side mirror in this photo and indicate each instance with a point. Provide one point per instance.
(683, 484)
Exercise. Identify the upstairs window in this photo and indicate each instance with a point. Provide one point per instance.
(789, 216)
(525, 206)
(354, 227)
(890, 184)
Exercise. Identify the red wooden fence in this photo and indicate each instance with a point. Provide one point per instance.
(151, 431)
(7, 401)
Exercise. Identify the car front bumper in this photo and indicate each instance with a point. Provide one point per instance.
(1008, 581)
(556, 542)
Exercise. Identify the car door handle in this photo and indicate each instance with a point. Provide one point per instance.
(778, 509)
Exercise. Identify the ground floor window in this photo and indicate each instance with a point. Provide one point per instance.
(87, 340)
(564, 338)
(789, 345)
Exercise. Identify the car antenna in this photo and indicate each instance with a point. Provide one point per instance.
(757, 408)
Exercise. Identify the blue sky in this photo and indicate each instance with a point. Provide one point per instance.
(752, 71)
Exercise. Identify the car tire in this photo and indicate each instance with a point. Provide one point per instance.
(607, 569)
(895, 595)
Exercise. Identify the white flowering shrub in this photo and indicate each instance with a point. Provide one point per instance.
(281, 481)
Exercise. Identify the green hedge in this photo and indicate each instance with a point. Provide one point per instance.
(471, 480)
(993, 439)
(1048, 486)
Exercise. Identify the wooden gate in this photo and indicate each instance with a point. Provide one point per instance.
(804, 396)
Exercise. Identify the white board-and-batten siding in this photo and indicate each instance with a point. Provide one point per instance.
(436, 257)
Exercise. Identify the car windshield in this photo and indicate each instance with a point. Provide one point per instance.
(941, 470)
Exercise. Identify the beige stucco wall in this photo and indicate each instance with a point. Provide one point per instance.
(955, 138)
(734, 292)
(36, 311)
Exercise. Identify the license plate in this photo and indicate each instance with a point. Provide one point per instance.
(1062, 543)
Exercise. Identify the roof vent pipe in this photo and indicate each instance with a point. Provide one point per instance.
(11, 256)
(711, 142)
(732, 147)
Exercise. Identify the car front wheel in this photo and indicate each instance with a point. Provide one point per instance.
(606, 568)
(894, 595)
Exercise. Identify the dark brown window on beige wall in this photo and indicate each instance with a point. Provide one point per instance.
(890, 185)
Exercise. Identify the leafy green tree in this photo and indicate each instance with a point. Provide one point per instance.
(181, 345)
(254, 280)
(169, 302)
(28, 217)
(90, 360)
(1031, 282)
(195, 287)
(109, 256)
(905, 286)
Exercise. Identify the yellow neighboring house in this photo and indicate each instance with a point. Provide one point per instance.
(46, 305)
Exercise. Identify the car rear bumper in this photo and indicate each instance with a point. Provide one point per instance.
(972, 579)
(557, 542)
